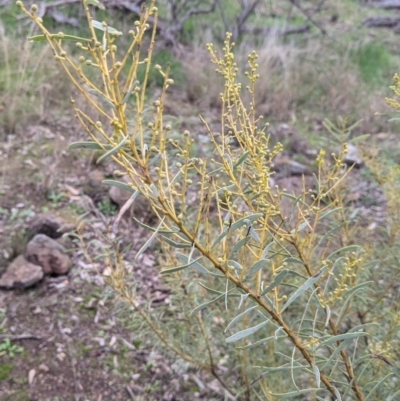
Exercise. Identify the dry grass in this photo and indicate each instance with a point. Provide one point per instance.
(301, 83)
(29, 84)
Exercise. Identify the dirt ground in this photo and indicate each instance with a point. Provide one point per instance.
(62, 339)
(66, 338)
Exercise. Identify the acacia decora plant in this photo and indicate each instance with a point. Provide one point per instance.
(268, 282)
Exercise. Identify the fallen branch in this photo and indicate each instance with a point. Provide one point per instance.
(277, 32)
(381, 22)
(194, 11)
(18, 337)
(386, 4)
(246, 11)
(308, 16)
(61, 18)
(130, 392)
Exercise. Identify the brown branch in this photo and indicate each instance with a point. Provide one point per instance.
(381, 22)
(259, 300)
(245, 13)
(18, 337)
(195, 11)
(223, 16)
(386, 4)
(308, 16)
(61, 18)
(276, 32)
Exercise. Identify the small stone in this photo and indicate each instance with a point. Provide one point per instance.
(135, 376)
(94, 186)
(287, 167)
(113, 341)
(61, 356)
(352, 157)
(49, 254)
(100, 340)
(120, 197)
(31, 376)
(49, 224)
(21, 274)
(37, 311)
(43, 368)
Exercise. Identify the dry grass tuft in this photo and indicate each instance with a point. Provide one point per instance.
(300, 81)
(29, 84)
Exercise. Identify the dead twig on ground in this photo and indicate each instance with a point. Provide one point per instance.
(382, 22)
(19, 337)
(277, 32)
(386, 4)
(308, 16)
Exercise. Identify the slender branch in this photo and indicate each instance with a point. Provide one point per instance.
(386, 4)
(277, 32)
(195, 11)
(308, 16)
(18, 337)
(245, 13)
(350, 373)
(223, 16)
(257, 298)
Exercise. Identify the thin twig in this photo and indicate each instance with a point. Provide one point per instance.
(223, 16)
(123, 210)
(196, 11)
(245, 13)
(277, 32)
(308, 16)
(20, 337)
(130, 392)
(72, 359)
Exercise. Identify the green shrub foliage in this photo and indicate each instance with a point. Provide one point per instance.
(275, 294)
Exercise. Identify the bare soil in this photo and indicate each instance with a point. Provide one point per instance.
(72, 340)
(67, 341)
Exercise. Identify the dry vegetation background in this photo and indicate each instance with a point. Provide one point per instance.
(317, 60)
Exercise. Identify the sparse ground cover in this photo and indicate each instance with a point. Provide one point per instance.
(80, 347)
(69, 339)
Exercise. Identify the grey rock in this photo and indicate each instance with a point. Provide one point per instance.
(286, 166)
(49, 224)
(290, 138)
(49, 254)
(294, 185)
(352, 156)
(94, 186)
(21, 274)
(120, 197)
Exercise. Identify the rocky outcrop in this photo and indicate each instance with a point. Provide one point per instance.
(120, 197)
(48, 254)
(21, 274)
(94, 186)
(49, 224)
